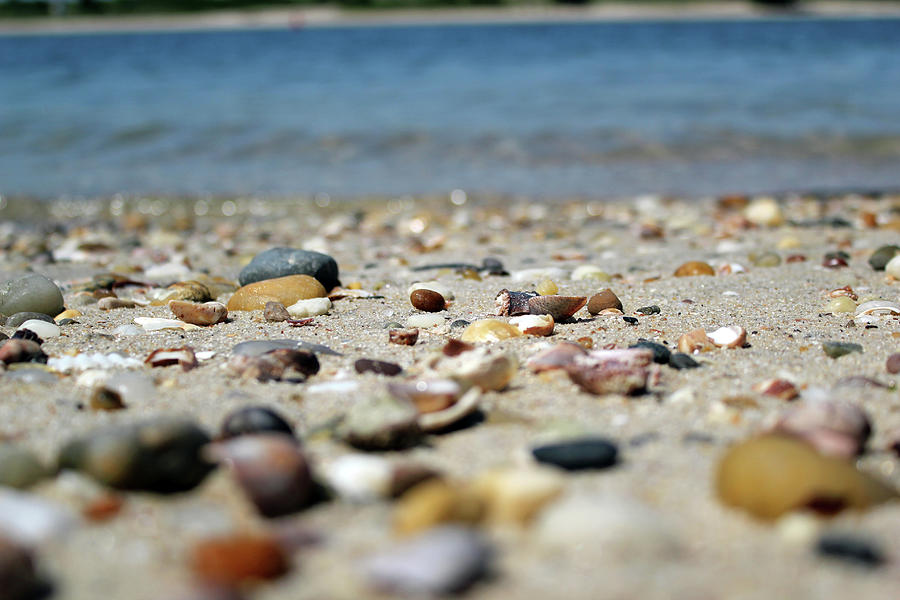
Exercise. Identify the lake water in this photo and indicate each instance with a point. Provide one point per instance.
(596, 109)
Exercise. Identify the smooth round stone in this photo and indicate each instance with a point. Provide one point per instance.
(850, 548)
(31, 293)
(882, 256)
(441, 561)
(434, 286)
(163, 455)
(765, 259)
(254, 419)
(17, 319)
(578, 454)
(680, 360)
(841, 304)
(589, 272)
(238, 559)
(19, 467)
(661, 354)
(839, 349)
(694, 268)
(427, 300)
(286, 290)
(281, 262)
(42, 329)
(207, 313)
(893, 267)
(892, 364)
(765, 212)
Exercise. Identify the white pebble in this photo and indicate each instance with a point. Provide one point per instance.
(583, 272)
(31, 520)
(360, 477)
(539, 274)
(43, 329)
(309, 308)
(893, 267)
(128, 330)
(425, 321)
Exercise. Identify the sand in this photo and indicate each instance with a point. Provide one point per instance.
(670, 439)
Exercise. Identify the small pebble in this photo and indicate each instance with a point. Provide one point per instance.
(547, 288)
(427, 300)
(578, 454)
(840, 304)
(208, 313)
(310, 307)
(765, 212)
(381, 422)
(112, 303)
(764, 259)
(850, 548)
(839, 349)
(239, 559)
(403, 337)
(882, 256)
(603, 300)
(648, 310)
(694, 268)
(254, 419)
(19, 318)
(489, 330)
(379, 367)
(589, 272)
(661, 354)
(276, 312)
(893, 363)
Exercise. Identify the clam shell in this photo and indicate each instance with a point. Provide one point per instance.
(878, 307)
(428, 395)
(733, 336)
(558, 307)
(466, 405)
(164, 357)
(539, 325)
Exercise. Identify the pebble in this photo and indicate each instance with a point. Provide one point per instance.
(19, 318)
(208, 313)
(836, 260)
(591, 272)
(425, 321)
(381, 422)
(516, 495)
(126, 388)
(648, 310)
(31, 293)
(162, 455)
(439, 420)
(20, 468)
(693, 268)
(31, 520)
(603, 300)
(113, 303)
(560, 308)
(260, 347)
(379, 367)
(367, 478)
(281, 261)
(620, 529)
(42, 329)
(287, 290)
(427, 300)
(893, 268)
(839, 349)
(403, 337)
(489, 330)
(772, 475)
(428, 395)
(892, 364)
(435, 502)
(661, 354)
(270, 468)
(841, 304)
(18, 577)
(850, 548)
(254, 419)
(311, 307)
(882, 256)
(186, 291)
(778, 388)
(559, 356)
(834, 427)
(578, 454)
(442, 561)
(547, 288)
(612, 371)
(238, 559)
(764, 212)
(765, 259)
(282, 364)
(490, 371)
(20, 351)
(276, 312)
(537, 274)
(434, 286)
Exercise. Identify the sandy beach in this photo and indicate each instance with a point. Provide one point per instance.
(770, 279)
(298, 18)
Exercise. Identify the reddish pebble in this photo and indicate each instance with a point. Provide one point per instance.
(795, 258)
(694, 268)
(238, 559)
(103, 508)
(893, 363)
(404, 337)
(427, 300)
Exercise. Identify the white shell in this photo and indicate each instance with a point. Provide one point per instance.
(43, 329)
(83, 362)
(583, 272)
(336, 386)
(425, 321)
(309, 308)
(360, 477)
(535, 275)
(31, 520)
(157, 324)
(434, 286)
(540, 325)
(878, 307)
(728, 337)
(893, 267)
(463, 407)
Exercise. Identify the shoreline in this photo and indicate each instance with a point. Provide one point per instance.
(319, 17)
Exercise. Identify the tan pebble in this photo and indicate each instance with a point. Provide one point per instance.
(694, 342)
(286, 290)
(777, 388)
(434, 502)
(840, 304)
(764, 211)
(208, 313)
(238, 559)
(517, 495)
(771, 475)
(602, 300)
(547, 288)
(489, 330)
(67, 314)
(112, 303)
(427, 300)
(694, 267)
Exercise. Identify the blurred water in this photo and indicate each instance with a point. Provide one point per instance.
(547, 110)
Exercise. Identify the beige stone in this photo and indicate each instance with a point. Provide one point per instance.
(287, 290)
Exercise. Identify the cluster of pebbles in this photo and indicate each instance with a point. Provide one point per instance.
(491, 398)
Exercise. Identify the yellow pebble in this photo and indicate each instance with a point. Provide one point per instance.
(547, 288)
(841, 304)
(489, 330)
(354, 285)
(67, 314)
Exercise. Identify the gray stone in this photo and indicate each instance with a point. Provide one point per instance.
(381, 422)
(19, 467)
(281, 262)
(19, 318)
(260, 347)
(31, 293)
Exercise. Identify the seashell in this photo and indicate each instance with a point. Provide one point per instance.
(558, 307)
(156, 324)
(489, 330)
(85, 361)
(878, 307)
(237, 559)
(733, 336)
(462, 408)
(559, 356)
(547, 288)
(771, 475)
(164, 357)
(275, 312)
(425, 321)
(311, 307)
(603, 300)
(43, 329)
(777, 388)
(428, 395)
(254, 419)
(844, 291)
(833, 427)
(694, 342)
(365, 478)
(435, 502)
(513, 303)
(583, 272)
(612, 371)
(481, 368)
(731, 269)
(270, 468)
(403, 337)
(381, 422)
(276, 365)
(68, 314)
(427, 300)
(30, 520)
(18, 350)
(434, 286)
(539, 325)
(764, 211)
(208, 313)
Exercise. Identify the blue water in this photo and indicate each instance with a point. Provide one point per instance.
(541, 109)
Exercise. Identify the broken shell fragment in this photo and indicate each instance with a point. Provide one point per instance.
(728, 337)
(510, 304)
(311, 307)
(558, 307)
(276, 365)
(559, 356)
(602, 300)
(462, 408)
(157, 324)
(428, 395)
(164, 357)
(404, 337)
(275, 312)
(694, 342)
(112, 303)
(481, 368)
(489, 330)
(539, 325)
(617, 371)
(878, 307)
(833, 427)
(777, 388)
(208, 313)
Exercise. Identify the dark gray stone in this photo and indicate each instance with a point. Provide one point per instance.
(281, 262)
(882, 256)
(680, 360)
(850, 548)
(31, 293)
(661, 354)
(578, 454)
(839, 349)
(254, 419)
(19, 318)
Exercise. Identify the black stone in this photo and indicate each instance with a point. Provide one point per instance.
(630, 320)
(882, 256)
(850, 548)
(459, 324)
(379, 367)
(648, 310)
(493, 266)
(281, 262)
(254, 419)
(19, 318)
(578, 454)
(661, 354)
(680, 360)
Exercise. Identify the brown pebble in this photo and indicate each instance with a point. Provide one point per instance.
(103, 508)
(777, 388)
(208, 313)
(287, 290)
(238, 559)
(455, 347)
(694, 267)
(379, 367)
(793, 258)
(404, 337)
(558, 307)
(276, 312)
(602, 300)
(427, 300)
(112, 303)
(893, 363)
